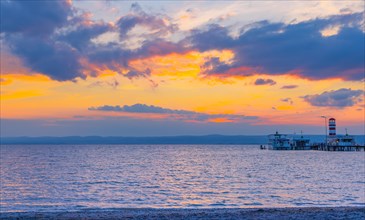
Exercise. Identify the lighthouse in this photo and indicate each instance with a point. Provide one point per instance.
(332, 127)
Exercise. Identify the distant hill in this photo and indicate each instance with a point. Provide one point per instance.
(207, 139)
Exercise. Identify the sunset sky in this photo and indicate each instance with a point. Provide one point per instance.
(155, 68)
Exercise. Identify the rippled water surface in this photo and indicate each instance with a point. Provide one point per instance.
(66, 177)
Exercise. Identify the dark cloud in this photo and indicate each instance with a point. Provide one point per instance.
(79, 37)
(158, 24)
(264, 82)
(215, 37)
(53, 40)
(141, 108)
(33, 17)
(107, 108)
(109, 56)
(29, 27)
(346, 11)
(335, 98)
(288, 100)
(138, 74)
(112, 56)
(213, 65)
(54, 59)
(113, 83)
(159, 47)
(277, 48)
(289, 87)
(173, 113)
(58, 54)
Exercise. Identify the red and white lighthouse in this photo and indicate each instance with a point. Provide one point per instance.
(332, 127)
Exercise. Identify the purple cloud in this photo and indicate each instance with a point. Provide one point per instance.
(29, 32)
(113, 83)
(260, 82)
(138, 74)
(79, 37)
(33, 17)
(156, 23)
(173, 113)
(335, 98)
(53, 40)
(288, 100)
(215, 37)
(278, 48)
(289, 87)
(57, 60)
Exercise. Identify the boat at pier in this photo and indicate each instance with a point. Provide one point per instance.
(279, 142)
(300, 143)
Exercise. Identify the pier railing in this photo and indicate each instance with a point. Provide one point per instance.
(326, 147)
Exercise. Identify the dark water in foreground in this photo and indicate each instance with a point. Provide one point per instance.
(67, 177)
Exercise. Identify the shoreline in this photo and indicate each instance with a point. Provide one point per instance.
(353, 212)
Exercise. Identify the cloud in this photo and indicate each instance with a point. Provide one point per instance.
(113, 83)
(111, 56)
(138, 74)
(28, 28)
(213, 66)
(336, 98)
(57, 60)
(33, 17)
(260, 81)
(174, 114)
(52, 38)
(135, 74)
(214, 37)
(140, 108)
(289, 87)
(288, 100)
(80, 35)
(159, 47)
(278, 48)
(159, 25)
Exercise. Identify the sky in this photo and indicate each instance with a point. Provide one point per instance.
(164, 68)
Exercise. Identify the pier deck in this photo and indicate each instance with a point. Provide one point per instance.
(323, 147)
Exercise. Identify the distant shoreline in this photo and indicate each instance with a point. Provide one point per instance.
(172, 140)
(229, 213)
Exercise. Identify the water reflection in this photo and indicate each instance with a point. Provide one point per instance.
(36, 178)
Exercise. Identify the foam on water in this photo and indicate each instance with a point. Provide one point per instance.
(66, 177)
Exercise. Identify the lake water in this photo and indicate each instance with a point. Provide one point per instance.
(67, 177)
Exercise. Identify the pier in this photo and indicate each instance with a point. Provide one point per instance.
(333, 141)
(324, 147)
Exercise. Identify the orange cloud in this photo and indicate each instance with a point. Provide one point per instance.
(220, 120)
(182, 65)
